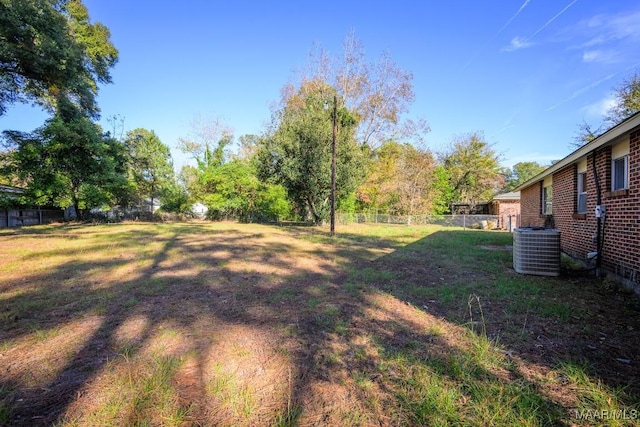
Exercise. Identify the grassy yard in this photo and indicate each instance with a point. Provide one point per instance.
(230, 324)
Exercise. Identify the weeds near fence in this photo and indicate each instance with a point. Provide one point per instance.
(465, 221)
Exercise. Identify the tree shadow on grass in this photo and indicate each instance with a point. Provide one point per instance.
(184, 283)
(445, 375)
(547, 326)
(251, 325)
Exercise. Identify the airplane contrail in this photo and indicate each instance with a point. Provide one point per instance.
(580, 91)
(551, 20)
(475, 55)
(514, 16)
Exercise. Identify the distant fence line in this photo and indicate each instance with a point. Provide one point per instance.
(464, 221)
(24, 216)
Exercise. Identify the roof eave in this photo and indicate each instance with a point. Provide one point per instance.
(598, 142)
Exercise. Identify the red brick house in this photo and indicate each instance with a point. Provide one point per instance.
(507, 207)
(604, 172)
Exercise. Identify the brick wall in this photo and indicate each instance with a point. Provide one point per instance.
(575, 231)
(621, 253)
(509, 208)
(508, 214)
(531, 206)
(621, 250)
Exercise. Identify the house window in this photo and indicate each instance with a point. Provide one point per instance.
(620, 174)
(547, 200)
(582, 193)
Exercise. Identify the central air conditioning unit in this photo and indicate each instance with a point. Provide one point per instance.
(536, 251)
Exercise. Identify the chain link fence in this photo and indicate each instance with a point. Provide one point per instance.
(465, 221)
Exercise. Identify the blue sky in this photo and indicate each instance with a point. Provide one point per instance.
(524, 72)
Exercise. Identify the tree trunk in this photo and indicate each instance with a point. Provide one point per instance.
(317, 220)
(75, 201)
(152, 191)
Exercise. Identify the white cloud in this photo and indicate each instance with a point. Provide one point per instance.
(516, 44)
(598, 109)
(526, 2)
(605, 56)
(604, 38)
(521, 42)
(600, 30)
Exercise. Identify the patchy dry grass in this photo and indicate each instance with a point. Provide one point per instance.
(229, 324)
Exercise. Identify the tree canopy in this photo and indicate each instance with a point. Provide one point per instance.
(297, 152)
(520, 173)
(627, 99)
(52, 55)
(50, 50)
(377, 93)
(68, 161)
(401, 180)
(150, 163)
(473, 168)
(207, 141)
(626, 103)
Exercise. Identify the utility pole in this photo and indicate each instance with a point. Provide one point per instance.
(333, 167)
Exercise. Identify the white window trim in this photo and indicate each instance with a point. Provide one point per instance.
(547, 205)
(626, 173)
(581, 193)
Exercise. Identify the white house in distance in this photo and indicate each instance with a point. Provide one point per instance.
(199, 210)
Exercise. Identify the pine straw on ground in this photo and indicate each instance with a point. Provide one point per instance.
(228, 324)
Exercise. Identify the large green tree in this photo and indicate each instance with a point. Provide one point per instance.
(401, 180)
(52, 55)
(228, 184)
(151, 167)
(377, 192)
(520, 173)
(68, 161)
(233, 191)
(473, 168)
(50, 50)
(443, 191)
(377, 92)
(415, 181)
(297, 152)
